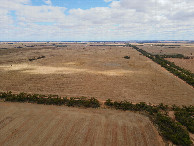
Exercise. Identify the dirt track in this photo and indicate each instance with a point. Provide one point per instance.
(101, 72)
(31, 124)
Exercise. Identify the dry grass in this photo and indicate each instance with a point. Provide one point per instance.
(101, 72)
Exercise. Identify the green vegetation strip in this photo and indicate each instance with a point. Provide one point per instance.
(182, 73)
(169, 128)
(180, 56)
(50, 100)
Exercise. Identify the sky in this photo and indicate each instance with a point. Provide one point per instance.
(96, 20)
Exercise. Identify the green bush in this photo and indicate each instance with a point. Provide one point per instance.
(162, 106)
(109, 102)
(127, 57)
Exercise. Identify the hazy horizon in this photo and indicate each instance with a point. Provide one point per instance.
(107, 41)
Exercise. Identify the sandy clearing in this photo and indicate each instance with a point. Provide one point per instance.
(33, 124)
(35, 69)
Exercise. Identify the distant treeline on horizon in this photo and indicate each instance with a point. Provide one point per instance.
(130, 41)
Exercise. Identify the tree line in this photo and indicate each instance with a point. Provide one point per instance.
(50, 99)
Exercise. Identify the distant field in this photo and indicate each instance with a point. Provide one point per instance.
(184, 63)
(92, 71)
(185, 49)
(31, 124)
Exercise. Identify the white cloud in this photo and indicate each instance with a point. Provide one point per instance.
(122, 20)
(30, 14)
(48, 2)
(108, 0)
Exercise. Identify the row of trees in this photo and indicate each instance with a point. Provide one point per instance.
(182, 73)
(173, 56)
(169, 129)
(180, 56)
(50, 100)
(142, 106)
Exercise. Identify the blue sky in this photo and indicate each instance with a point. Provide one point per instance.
(74, 4)
(95, 20)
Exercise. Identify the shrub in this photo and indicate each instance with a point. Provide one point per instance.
(127, 57)
(109, 102)
(162, 106)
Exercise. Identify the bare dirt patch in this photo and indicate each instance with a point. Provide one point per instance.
(35, 69)
(31, 124)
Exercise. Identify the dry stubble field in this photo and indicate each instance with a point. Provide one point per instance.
(92, 71)
(32, 124)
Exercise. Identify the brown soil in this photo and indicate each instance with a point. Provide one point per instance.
(81, 70)
(171, 114)
(32, 124)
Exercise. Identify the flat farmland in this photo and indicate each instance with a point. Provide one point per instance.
(169, 48)
(91, 71)
(184, 63)
(32, 124)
